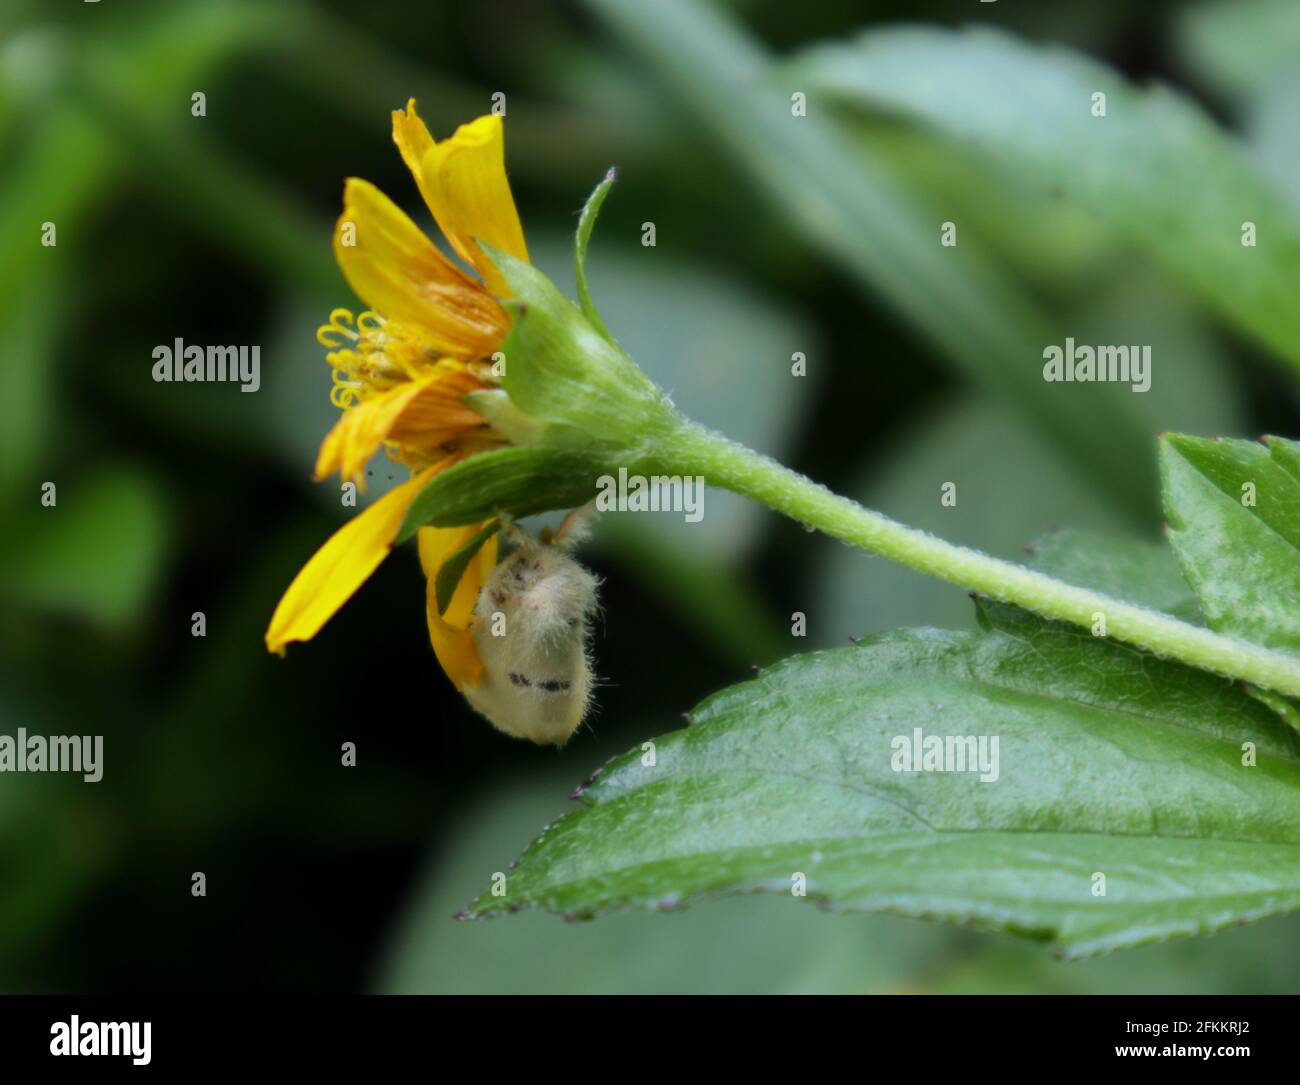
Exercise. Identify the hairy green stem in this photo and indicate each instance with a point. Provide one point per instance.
(724, 463)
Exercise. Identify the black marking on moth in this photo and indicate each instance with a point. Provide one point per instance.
(546, 685)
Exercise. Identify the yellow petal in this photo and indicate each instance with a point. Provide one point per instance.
(453, 644)
(399, 273)
(413, 142)
(421, 413)
(463, 179)
(342, 565)
(438, 409)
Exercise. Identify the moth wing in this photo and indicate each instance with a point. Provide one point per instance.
(533, 689)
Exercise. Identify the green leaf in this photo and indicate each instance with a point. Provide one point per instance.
(1111, 762)
(1028, 108)
(1234, 516)
(454, 567)
(843, 201)
(1137, 572)
(520, 481)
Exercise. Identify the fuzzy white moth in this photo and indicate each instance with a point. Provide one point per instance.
(530, 626)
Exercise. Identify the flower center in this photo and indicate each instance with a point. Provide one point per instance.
(369, 354)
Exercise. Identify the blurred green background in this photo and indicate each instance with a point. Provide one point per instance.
(181, 498)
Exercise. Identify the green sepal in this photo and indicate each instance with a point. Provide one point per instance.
(516, 481)
(563, 373)
(500, 412)
(586, 223)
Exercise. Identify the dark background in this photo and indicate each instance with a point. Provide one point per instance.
(182, 498)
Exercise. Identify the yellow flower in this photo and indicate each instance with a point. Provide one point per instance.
(401, 368)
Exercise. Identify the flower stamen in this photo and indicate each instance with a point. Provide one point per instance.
(340, 323)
